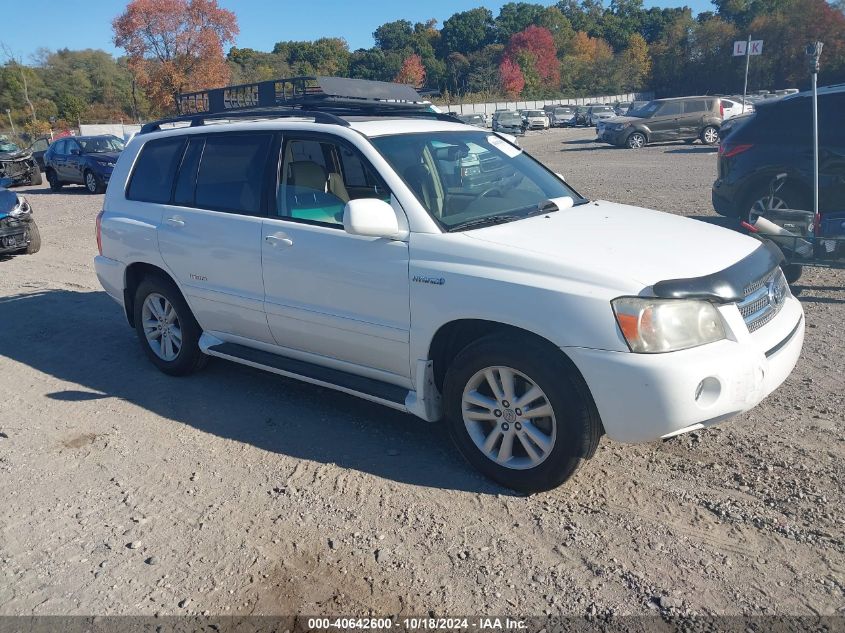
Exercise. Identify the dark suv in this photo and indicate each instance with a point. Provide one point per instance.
(677, 119)
(777, 139)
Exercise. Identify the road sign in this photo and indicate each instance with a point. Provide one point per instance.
(752, 47)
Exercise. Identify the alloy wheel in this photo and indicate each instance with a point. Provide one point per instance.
(161, 327)
(509, 418)
(711, 135)
(636, 140)
(765, 204)
(91, 182)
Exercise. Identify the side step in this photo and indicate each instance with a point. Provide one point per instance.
(367, 388)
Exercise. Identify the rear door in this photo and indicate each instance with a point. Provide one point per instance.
(831, 152)
(210, 231)
(692, 120)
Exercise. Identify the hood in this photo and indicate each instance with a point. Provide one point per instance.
(640, 245)
(628, 119)
(103, 157)
(19, 155)
(8, 201)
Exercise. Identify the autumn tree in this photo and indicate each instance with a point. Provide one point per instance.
(635, 64)
(535, 52)
(175, 46)
(511, 77)
(412, 72)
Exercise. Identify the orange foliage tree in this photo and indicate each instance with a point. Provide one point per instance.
(175, 46)
(511, 77)
(535, 47)
(412, 72)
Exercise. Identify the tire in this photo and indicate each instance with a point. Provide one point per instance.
(53, 179)
(163, 295)
(636, 140)
(709, 135)
(570, 434)
(34, 239)
(792, 272)
(93, 183)
(788, 197)
(35, 177)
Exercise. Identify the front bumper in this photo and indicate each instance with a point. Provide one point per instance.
(645, 397)
(14, 236)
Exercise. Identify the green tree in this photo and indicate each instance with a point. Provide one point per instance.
(468, 31)
(394, 36)
(515, 17)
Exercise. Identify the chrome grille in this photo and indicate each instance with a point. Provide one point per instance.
(763, 299)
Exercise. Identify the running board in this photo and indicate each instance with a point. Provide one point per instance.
(367, 388)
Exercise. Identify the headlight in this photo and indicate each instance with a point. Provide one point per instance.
(22, 208)
(652, 326)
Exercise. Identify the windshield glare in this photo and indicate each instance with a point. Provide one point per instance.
(100, 144)
(645, 111)
(7, 146)
(461, 177)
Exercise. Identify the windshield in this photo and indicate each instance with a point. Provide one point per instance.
(510, 117)
(602, 109)
(465, 178)
(563, 110)
(8, 146)
(535, 113)
(98, 144)
(646, 110)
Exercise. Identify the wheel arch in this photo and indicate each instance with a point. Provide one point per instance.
(134, 274)
(452, 337)
(758, 184)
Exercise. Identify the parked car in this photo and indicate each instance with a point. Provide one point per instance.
(777, 139)
(732, 107)
(541, 320)
(621, 108)
(536, 120)
(18, 232)
(599, 112)
(17, 164)
(477, 120)
(38, 148)
(563, 116)
(82, 160)
(508, 121)
(635, 105)
(677, 119)
(581, 114)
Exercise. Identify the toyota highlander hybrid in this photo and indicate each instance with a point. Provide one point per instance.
(375, 247)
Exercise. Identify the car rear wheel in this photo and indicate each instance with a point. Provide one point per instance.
(34, 239)
(53, 179)
(710, 135)
(93, 183)
(786, 197)
(168, 332)
(519, 414)
(636, 140)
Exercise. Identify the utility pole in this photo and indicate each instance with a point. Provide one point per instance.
(814, 52)
(747, 60)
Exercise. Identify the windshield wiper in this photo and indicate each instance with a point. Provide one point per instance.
(485, 221)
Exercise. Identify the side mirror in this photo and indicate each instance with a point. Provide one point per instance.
(370, 217)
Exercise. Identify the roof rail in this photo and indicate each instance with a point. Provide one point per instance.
(325, 99)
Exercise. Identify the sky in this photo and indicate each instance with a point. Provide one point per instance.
(64, 24)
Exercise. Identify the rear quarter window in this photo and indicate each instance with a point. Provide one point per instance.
(152, 178)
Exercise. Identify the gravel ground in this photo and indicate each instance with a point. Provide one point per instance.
(237, 492)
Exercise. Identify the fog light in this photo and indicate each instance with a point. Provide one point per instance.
(708, 391)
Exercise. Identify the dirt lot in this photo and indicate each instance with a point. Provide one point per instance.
(233, 491)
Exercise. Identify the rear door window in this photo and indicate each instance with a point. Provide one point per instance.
(694, 106)
(152, 178)
(231, 172)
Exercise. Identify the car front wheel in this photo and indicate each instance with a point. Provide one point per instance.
(519, 413)
(53, 179)
(93, 183)
(636, 140)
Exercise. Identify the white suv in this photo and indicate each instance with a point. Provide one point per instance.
(365, 254)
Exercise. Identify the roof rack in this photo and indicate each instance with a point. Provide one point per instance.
(325, 99)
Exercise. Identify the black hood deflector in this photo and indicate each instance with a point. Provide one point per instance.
(727, 285)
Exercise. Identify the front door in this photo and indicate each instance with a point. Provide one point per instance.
(337, 296)
(666, 121)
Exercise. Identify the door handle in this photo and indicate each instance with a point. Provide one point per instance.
(175, 221)
(278, 238)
